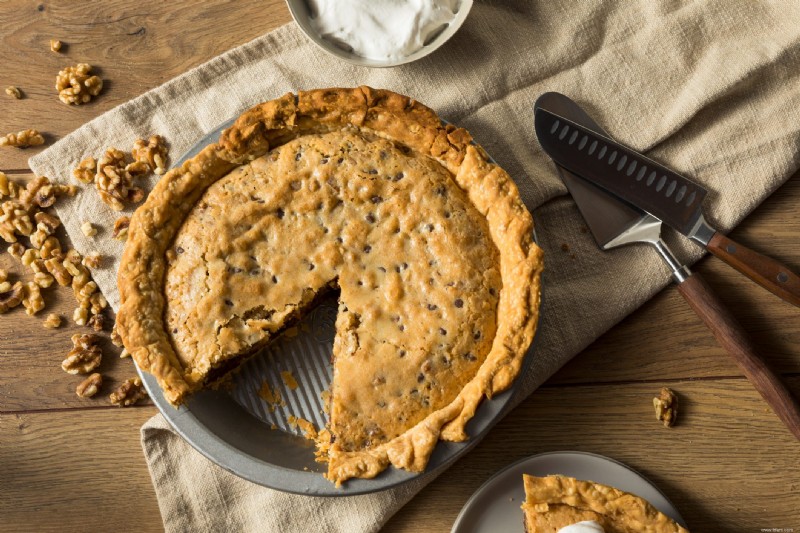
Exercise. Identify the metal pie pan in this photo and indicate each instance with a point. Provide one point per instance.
(242, 433)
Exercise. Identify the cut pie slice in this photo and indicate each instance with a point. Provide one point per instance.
(555, 502)
(355, 190)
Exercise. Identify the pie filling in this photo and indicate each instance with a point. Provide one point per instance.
(417, 271)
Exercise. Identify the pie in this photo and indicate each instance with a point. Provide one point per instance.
(359, 191)
(554, 502)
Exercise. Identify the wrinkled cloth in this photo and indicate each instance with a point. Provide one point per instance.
(709, 88)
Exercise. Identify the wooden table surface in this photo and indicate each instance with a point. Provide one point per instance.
(68, 464)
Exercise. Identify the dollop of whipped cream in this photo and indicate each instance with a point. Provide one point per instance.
(587, 526)
(381, 29)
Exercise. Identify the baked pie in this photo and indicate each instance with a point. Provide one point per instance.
(556, 502)
(359, 191)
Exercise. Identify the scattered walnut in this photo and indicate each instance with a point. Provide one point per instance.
(97, 302)
(80, 316)
(13, 91)
(4, 184)
(666, 406)
(128, 393)
(92, 260)
(50, 248)
(88, 229)
(86, 170)
(40, 192)
(11, 298)
(114, 180)
(3, 276)
(5, 286)
(29, 256)
(52, 321)
(16, 250)
(14, 220)
(55, 45)
(76, 86)
(96, 322)
(55, 265)
(153, 153)
(32, 298)
(85, 355)
(43, 279)
(47, 222)
(89, 386)
(121, 228)
(23, 139)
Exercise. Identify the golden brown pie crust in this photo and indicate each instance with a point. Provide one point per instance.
(554, 502)
(157, 225)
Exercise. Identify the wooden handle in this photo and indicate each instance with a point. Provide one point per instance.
(767, 272)
(731, 336)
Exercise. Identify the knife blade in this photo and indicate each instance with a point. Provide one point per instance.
(655, 189)
(615, 223)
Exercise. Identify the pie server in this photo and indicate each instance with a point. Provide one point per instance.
(582, 149)
(657, 190)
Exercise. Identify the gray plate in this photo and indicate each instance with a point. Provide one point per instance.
(495, 506)
(234, 429)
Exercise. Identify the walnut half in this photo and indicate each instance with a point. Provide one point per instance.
(12, 298)
(23, 139)
(85, 355)
(666, 406)
(128, 393)
(89, 386)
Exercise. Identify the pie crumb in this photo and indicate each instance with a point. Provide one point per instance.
(272, 396)
(14, 92)
(55, 45)
(666, 406)
(289, 380)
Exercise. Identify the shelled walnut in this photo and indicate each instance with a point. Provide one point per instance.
(32, 298)
(121, 228)
(89, 386)
(116, 340)
(85, 355)
(88, 229)
(22, 139)
(666, 406)
(8, 188)
(114, 179)
(153, 152)
(128, 393)
(55, 45)
(86, 170)
(52, 321)
(76, 85)
(14, 92)
(96, 322)
(11, 298)
(14, 220)
(92, 260)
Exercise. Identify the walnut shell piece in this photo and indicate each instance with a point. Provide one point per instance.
(128, 393)
(666, 406)
(85, 355)
(89, 386)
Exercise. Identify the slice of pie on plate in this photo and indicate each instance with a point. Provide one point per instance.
(555, 502)
(362, 191)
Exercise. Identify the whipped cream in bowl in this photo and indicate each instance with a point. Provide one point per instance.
(379, 33)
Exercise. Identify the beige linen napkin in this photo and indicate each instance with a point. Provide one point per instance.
(711, 88)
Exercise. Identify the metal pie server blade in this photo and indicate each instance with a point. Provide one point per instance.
(614, 223)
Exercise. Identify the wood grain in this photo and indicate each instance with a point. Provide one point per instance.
(135, 46)
(737, 344)
(68, 464)
(75, 471)
(717, 482)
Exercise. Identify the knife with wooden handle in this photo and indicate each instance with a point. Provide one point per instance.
(655, 189)
(614, 222)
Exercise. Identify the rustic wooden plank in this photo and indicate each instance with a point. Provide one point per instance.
(83, 464)
(76, 471)
(728, 464)
(136, 47)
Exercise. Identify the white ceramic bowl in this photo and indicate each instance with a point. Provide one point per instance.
(300, 12)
